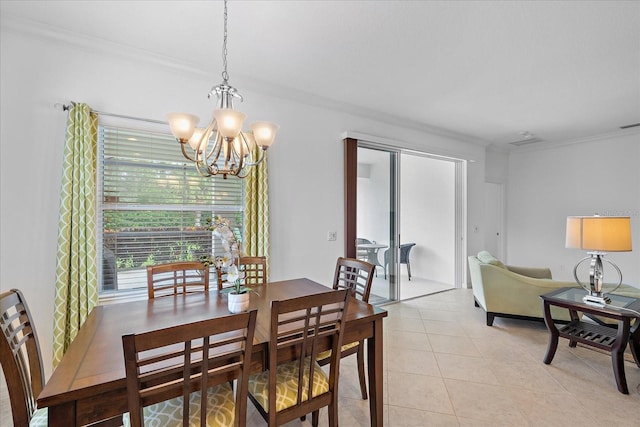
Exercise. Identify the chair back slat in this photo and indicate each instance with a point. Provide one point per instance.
(356, 275)
(177, 361)
(20, 356)
(177, 278)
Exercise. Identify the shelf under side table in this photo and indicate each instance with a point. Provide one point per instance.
(591, 334)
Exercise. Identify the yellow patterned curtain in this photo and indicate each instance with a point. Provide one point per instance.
(256, 211)
(76, 274)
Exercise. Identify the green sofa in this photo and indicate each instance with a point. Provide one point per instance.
(509, 291)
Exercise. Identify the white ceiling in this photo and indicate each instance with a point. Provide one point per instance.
(488, 70)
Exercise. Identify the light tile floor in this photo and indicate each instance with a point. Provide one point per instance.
(444, 367)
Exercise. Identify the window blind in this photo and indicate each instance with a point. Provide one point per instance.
(154, 207)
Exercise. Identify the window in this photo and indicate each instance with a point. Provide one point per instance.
(154, 207)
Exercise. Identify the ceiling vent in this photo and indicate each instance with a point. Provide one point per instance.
(526, 141)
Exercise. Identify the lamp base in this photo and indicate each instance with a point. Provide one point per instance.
(598, 301)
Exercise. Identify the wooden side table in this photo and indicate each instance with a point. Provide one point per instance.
(623, 309)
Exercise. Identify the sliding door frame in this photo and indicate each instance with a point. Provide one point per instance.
(350, 201)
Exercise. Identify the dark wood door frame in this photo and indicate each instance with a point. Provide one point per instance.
(350, 196)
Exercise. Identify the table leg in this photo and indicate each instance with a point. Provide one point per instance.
(374, 365)
(63, 415)
(552, 346)
(617, 355)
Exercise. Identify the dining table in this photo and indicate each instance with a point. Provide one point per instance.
(89, 383)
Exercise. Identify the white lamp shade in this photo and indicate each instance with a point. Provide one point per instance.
(599, 233)
(264, 133)
(194, 141)
(182, 125)
(229, 122)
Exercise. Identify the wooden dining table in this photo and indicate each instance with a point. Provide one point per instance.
(88, 385)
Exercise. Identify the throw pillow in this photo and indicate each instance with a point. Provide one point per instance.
(487, 258)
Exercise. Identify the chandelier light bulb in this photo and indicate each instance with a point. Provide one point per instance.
(264, 133)
(194, 141)
(229, 122)
(182, 125)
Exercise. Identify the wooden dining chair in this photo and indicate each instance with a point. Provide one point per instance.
(22, 362)
(254, 270)
(177, 278)
(299, 327)
(356, 275)
(182, 375)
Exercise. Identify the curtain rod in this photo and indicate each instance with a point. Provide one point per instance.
(67, 107)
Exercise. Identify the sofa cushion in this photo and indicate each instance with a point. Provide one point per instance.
(487, 258)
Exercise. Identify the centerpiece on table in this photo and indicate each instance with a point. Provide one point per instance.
(238, 293)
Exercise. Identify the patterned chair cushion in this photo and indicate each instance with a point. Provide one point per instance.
(287, 385)
(327, 354)
(220, 410)
(40, 418)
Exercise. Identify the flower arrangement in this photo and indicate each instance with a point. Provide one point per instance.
(220, 228)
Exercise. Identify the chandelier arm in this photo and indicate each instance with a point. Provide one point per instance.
(215, 150)
(206, 136)
(240, 173)
(239, 157)
(262, 156)
(202, 173)
(184, 152)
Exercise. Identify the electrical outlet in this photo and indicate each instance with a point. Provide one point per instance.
(332, 236)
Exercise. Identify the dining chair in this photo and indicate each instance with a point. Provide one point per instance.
(21, 362)
(362, 253)
(357, 276)
(253, 269)
(405, 252)
(177, 277)
(299, 327)
(182, 375)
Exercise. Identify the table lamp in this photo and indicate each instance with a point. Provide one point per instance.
(598, 235)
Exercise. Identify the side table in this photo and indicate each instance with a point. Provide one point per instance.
(622, 309)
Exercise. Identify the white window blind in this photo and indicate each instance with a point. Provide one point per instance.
(153, 206)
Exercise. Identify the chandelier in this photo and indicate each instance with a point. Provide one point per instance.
(222, 147)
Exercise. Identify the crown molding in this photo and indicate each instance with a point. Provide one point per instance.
(102, 46)
(93, 44)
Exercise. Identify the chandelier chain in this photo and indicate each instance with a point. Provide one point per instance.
(225, 75)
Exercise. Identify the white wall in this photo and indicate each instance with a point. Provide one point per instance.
(545, 186)
(428, 216)
(374, 196)
(306, 163)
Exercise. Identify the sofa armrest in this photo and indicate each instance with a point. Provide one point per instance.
(536, 273)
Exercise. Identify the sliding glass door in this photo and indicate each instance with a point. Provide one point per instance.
(377, 218)
(405, 213)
